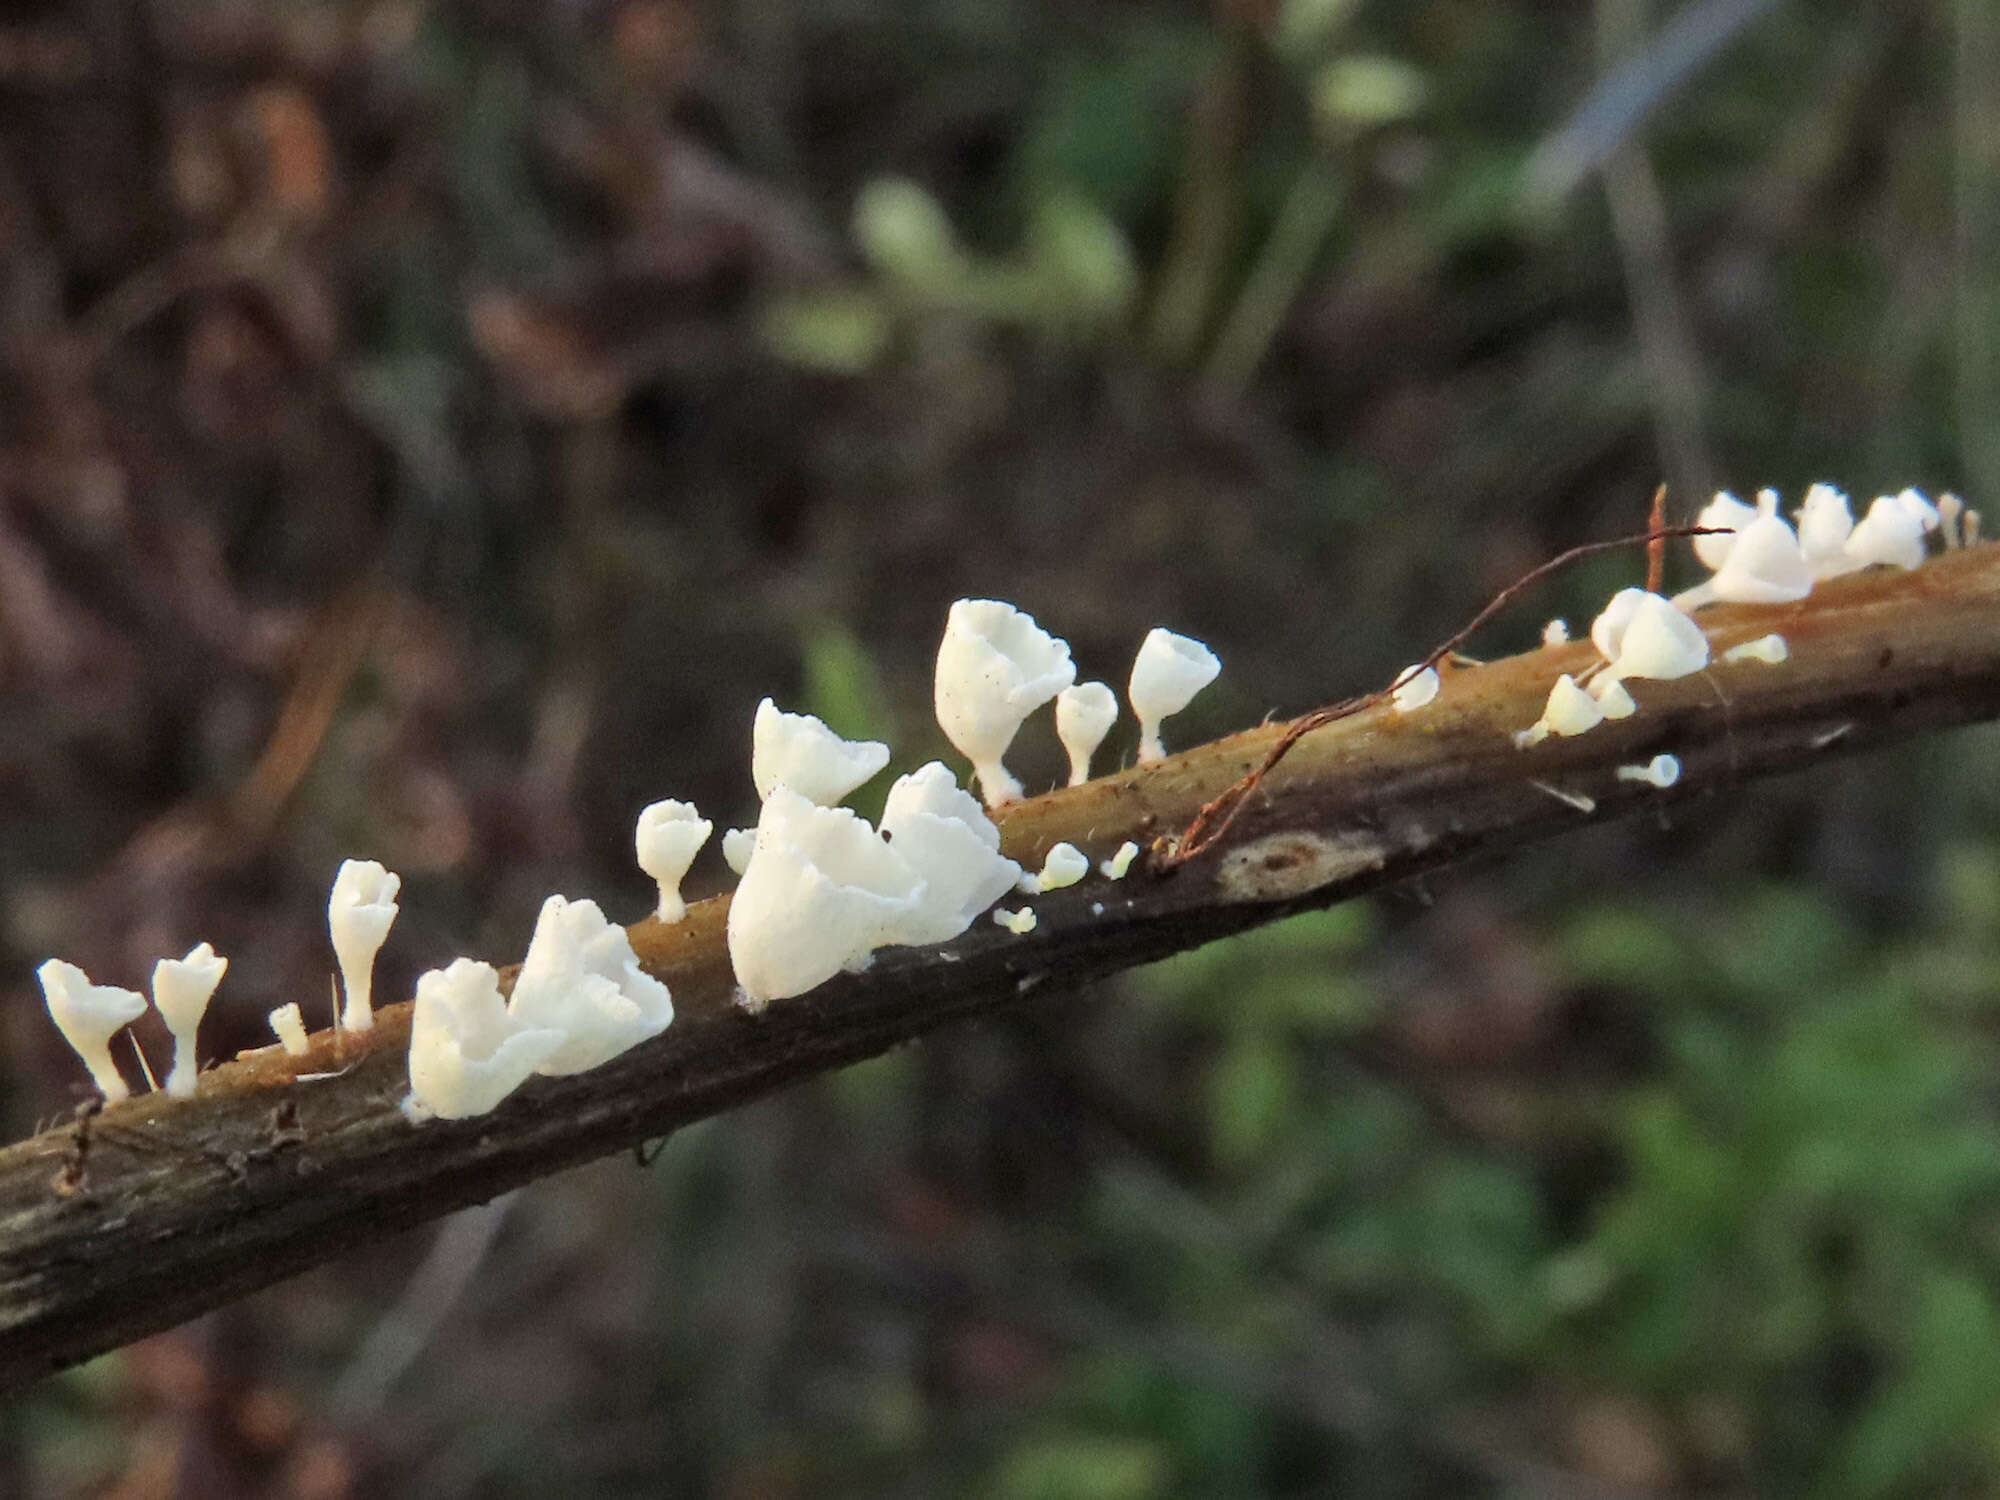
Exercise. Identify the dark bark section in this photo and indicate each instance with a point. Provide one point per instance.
(155, 1211)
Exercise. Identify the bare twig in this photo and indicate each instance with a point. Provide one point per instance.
(181, 1206)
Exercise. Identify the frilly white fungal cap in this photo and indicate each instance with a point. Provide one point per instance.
(182, 988)
(467, 1050)
(1766, 566)
(1914, 502)
(290, 1029)
(1168, 671)
(1084, 716)
(799, 751)
(1613, 698)
(89, 1016)
(1414, 689)
(1654, 639)
(737, 843)
(995, 666)
(1661, 771)
(821, 891)
(668, 836)
(1724, 510)
(1891, 534)
(1608, 629)
(1766, 648)
(582, 980)
(1020, 923)
(359, 913)
(1064, 866)
(1825, 523)
(1115, 868)
(946, 838)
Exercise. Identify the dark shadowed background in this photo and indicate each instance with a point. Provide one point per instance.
(428, 427)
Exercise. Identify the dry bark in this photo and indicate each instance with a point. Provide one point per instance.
(157, 1210)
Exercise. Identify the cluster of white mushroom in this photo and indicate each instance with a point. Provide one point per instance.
(90, 1016)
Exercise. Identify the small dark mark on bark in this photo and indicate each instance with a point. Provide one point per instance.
(1884, 657)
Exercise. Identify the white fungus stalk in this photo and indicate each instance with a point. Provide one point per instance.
(1766, 648)
(89, 1016)
(668, 836)
(289, 1026)
(995, 666)
(1556, 633)
(822, 891)
(1414, 689)
(1168, 671)
(1950, 510)
(1570, 710)
(944, 835)
(736, 846)
(182, 988)
(359, 914)
(581, 979)
(1020, 923)
(799, 751)
(467, 1050)
(1064, 865)
(1115, 868)
(1661, 771)
(1084, 716)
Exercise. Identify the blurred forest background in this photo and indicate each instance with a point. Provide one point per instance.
(427, 427)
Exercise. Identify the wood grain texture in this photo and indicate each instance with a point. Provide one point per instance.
(175, 1208)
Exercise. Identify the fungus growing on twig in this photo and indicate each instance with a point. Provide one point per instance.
(1020, 923)
(944, 835)
(1064, 865)
(736, 846)
(467, 1050)
(1085, 713)
(359, 914)
(822, 891)
(182, 988)
(1825, 524)
(89, 1016)
(1570, 710)
(290, 1028)
(995, 666)
(581, 979)
(1414, 689)
(1644, 635)
(1115, 868)
(1891, 534)
(1766, 648)
(1612, 697)
(1661, 771)
(1556, 633)
(1765, 566)
(668, 836)
(1725, 510)
(799, 751)
(1166, 674)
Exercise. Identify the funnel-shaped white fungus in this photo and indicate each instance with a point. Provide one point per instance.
(1724, 510)
(944, 835)
(1891, 534)
(1570, 710)
(1661, 771)
(668, 837)
(290, 1028)
(89, 1016)
(582, 980)
(1766, 566)
(1116, 867)
(1766, 648)
(359, 914)
(1556, 633)
(995, 666)
(1920, 508)
(1612, 697)
(1168, 671)
(1414, 689)
(799, 751)
(1020, 923)
(1646, 636)
(1084, 716)
(736, 846)
(467, 1051)
(1825, 523)
(1064, 865)
(181, 991)
(821, 891)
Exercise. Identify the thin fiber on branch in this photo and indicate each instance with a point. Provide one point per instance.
(140, 1216)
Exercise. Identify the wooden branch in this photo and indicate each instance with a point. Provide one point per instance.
(154, 1211)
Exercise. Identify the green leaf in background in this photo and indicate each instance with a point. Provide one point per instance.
(1081, 1466)
(1252, 1094)
(841, 332)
